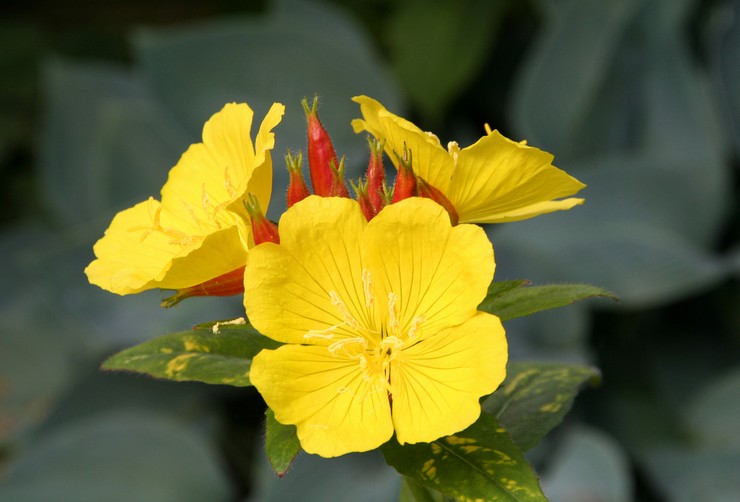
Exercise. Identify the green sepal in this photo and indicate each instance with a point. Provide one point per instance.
(509, 300)
(535, 397)
(281, 443)
(217, 353)
(481, 462)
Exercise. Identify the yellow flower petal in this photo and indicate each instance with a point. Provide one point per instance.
(429, 158)
(437, 382)
(493, 181)
(371, 310)
(500, 180)
(200, 230)
(438, 273)
(137, 253)
(308, 289)
(336, 410)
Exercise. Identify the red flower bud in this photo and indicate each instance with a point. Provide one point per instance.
(297, 189)
(430, 192)
(338, 187)
(362, 198)
(263, 230)
(405, 178)
(321, 152)
(230, 283)
(375, 174)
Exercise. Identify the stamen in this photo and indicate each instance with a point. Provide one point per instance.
(325, 334)
(392, 343)
(367, 288)
(343, 310)
(393, 324)
(227, 184)
(454, 149)
(204, 199)
(415, 325)
(345, 346)
(431, 135)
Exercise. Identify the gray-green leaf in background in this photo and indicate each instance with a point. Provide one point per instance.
(105, 145)
(588, 465)
(570, 62)
(121, 456)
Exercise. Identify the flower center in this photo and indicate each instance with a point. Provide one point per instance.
(373, 349)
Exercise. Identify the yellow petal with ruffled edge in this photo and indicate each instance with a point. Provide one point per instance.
(437, 273)
(499, 180)
(336, 407)
(134, 256)
(493, 181)
(429, 158)
(437, 382)
(308, 289)
(192, 236)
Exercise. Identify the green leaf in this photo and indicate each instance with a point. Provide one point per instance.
(219, 355)
(535, 397)
(281, 443)
(497, 288)
(480, 462)
(509, 300)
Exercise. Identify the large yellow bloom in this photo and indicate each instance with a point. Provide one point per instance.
(379, 321)
(200, 229)
(494, 180)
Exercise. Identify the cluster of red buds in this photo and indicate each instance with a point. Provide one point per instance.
(372, 192)
(327, 180)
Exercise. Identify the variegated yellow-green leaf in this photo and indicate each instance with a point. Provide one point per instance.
(508, 300)
(281, 443)
(413, 491)
(479, 463)
(535, 397)
(219, 354)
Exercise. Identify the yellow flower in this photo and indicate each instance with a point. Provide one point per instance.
(379, 321)
(494, 180)
(200, 229)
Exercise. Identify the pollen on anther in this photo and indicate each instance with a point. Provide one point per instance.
(367, 288)
(393, 324)
(343, 310)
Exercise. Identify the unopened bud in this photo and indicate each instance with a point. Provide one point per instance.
(263, 230)
(321, 152)
(375, 174)
(228, 284)
(426, 190)
(405, 178)
(297, 189)
(338, 187)
(362, 198)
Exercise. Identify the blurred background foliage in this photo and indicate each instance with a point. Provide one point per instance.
(640, 99)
